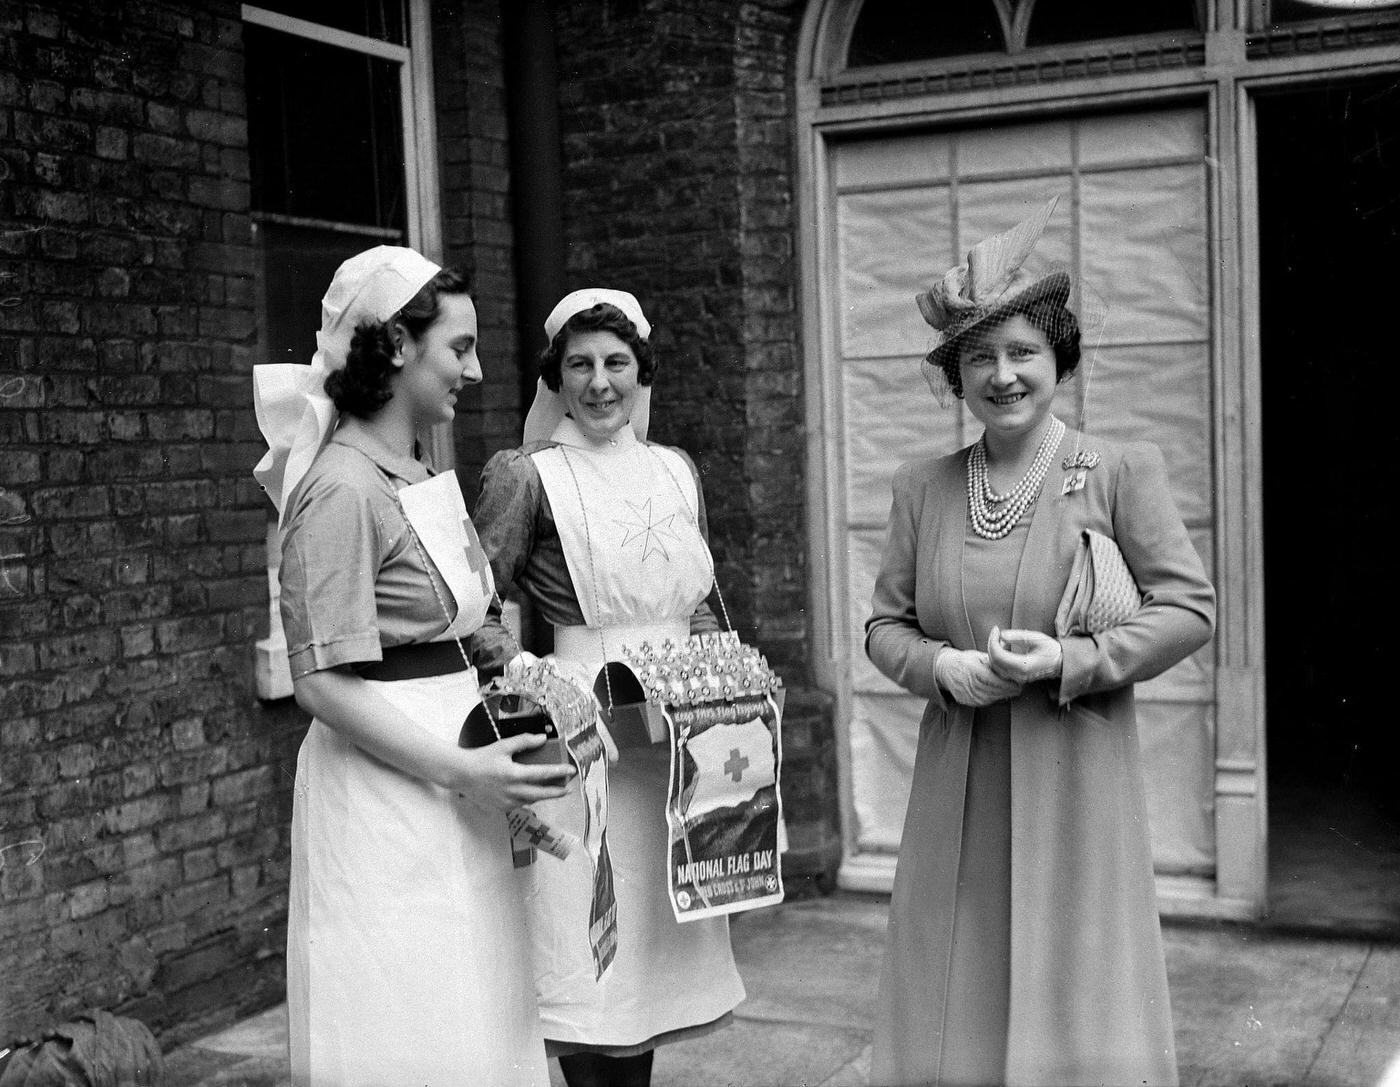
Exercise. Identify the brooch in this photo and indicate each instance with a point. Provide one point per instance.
(1077, 464)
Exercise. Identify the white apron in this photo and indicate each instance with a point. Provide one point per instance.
(407, 965)
(626, 516)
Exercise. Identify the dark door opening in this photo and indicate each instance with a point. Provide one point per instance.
(1329, 211)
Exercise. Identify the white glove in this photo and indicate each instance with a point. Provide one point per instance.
(967, 675)
(1024, 656)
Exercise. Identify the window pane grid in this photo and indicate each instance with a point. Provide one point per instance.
(325, 130)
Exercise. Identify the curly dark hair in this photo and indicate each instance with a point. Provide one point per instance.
(604, 317)
(365, 383)
(1056, 320)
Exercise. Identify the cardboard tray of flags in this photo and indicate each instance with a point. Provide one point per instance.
(719, 706)
(635, 691)
(534, 700)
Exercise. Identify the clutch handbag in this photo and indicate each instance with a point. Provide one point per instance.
(1101, 592)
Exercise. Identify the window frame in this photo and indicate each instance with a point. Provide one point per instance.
(423, 204)
(423, 225)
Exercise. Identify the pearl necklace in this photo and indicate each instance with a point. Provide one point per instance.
(994, 515)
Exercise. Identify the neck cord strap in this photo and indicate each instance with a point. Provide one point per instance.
(428, 568)
(695, 520)
(588, 542)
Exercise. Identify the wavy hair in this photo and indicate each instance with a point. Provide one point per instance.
(365, 383)
(604, 317)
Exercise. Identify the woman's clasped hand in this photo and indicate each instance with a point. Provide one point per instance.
(968, 677)
(1013, 659)
(1024, 656)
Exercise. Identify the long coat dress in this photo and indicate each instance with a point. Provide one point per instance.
(1087, 1000)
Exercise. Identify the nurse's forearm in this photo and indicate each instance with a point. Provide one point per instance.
(488, 775)
(346, 703)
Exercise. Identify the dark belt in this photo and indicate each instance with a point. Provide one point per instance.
(415, 661)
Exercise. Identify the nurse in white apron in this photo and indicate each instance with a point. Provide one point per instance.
(604, 532)
(407, 963)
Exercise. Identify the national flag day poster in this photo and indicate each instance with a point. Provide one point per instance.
(724, 808)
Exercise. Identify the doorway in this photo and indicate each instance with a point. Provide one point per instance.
(1329, 228)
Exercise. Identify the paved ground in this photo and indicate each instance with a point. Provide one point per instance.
(1253, 1008)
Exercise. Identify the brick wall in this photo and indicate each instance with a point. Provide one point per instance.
(132, 751)
(477, 233)
(679, 178)
(144, 790)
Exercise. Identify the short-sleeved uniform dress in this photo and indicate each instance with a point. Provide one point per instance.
(607, 541)
(1024, 946)
(406, 958)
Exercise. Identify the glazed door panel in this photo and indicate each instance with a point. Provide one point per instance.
(1133, 221)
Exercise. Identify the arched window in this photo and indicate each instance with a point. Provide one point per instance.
(1055, 22)
(889, 31)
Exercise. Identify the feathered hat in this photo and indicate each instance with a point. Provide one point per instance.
(989, 286)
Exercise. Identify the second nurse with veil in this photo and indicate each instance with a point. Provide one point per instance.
(605, 533)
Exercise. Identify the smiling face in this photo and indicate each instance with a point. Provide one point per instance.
(598, 381)
(1008, 377)
(437, 364)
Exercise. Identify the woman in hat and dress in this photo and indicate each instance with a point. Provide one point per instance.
(605, 533)
(1024, 945)
(406, 965)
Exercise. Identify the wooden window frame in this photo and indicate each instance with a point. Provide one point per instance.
(423, 223)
